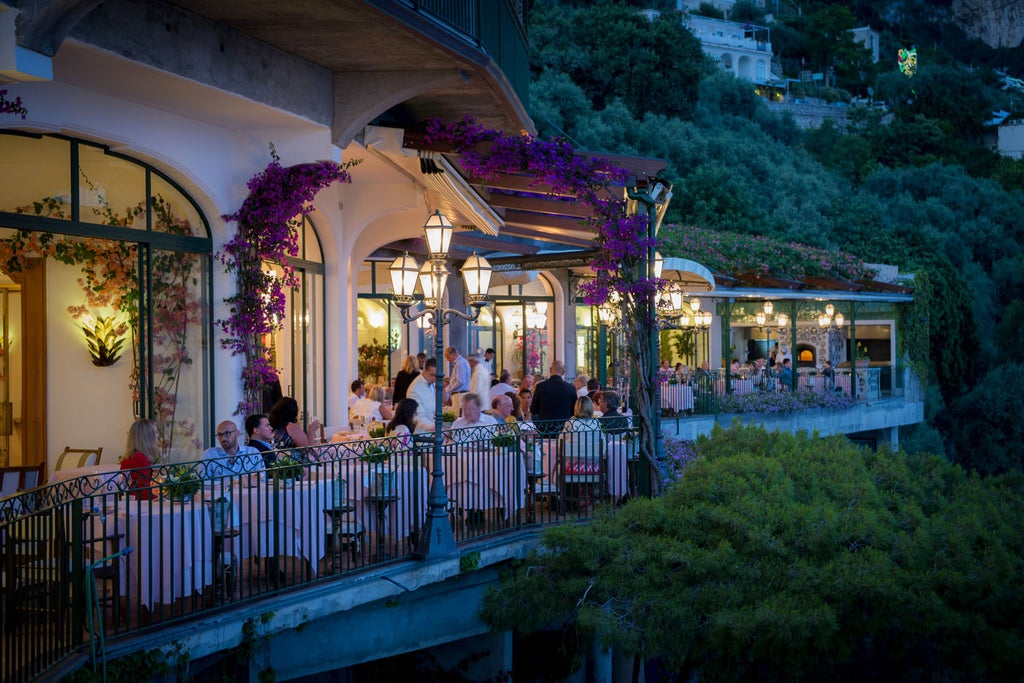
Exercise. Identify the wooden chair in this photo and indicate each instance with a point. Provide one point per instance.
(78, 457)
(20, 478)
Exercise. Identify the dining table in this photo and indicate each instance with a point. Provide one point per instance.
(173, 543)
(481, 476)
(677, 397)
(277, 517)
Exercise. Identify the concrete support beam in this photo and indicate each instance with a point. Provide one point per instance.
(360, 97)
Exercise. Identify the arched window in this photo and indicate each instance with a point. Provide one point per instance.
(106, 290)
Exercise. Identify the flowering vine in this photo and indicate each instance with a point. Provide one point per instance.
(12, 106)
(623, 241)
(109, 279)
(267, 231)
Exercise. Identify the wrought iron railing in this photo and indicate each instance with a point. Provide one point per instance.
(716, 392)
(102, 555)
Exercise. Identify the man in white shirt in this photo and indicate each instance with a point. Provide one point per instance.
(473, 416)
(230, 457)
(480, 380)
(502, 387)
(459, 371)
(423, 392)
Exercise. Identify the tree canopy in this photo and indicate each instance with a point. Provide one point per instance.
(782, 557)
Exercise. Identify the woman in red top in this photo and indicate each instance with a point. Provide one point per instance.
(139, 453)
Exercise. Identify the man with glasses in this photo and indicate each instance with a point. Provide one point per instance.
(230, 457)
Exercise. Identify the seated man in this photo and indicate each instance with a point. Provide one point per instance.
(230, 457)
(261, 436)
(786, 375)
(472, 416)
(501, 409)
(612, 421)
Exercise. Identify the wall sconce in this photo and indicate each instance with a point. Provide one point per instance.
(104, 337)
(376, 318)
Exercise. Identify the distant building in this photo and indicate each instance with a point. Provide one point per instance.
(744, 50)
(868, 37)
(723, 6)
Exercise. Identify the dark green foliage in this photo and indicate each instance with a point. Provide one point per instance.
(789, 558)
(988, 433)
(912, 186)
(611, 51)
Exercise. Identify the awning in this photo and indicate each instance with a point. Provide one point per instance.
(693, 277)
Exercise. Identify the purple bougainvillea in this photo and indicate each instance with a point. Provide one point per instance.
(267, 231)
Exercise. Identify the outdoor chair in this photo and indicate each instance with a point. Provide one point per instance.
(582, 469)
(78, 457)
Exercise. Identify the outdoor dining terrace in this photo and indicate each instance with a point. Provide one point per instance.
(722, 392)
(89, 557)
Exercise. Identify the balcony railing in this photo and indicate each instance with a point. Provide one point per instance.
(497, 26)
(717, 391)
(109, 553)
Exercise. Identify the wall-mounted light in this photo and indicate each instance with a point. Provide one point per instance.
(104, 337)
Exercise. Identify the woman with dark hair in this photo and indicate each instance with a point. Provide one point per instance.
(404, 421)
(284, 418)
(140, 451)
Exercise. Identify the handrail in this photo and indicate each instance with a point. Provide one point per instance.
(204, 538)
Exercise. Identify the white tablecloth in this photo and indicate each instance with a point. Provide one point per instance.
(482, 477)
(678, 397)
(173, 549)
(282, 519)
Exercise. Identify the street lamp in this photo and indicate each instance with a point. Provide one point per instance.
(437, 539)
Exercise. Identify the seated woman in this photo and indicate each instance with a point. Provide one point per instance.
(583, 419)
(581, 436)
(140, 451)
(284, 418)
(371, 407)
(403, 424)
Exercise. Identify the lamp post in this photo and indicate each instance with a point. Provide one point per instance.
(437, 540)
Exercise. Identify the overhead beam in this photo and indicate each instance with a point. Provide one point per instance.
(535, 220)
(546, 236)
(493, 243)
(539, 205)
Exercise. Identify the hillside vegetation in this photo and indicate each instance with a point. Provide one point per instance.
(911, 185)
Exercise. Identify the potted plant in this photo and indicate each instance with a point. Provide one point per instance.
(377, 431)
(448, 417)
(861, 356)
(285, 469)
(181, 484)
(504, 440)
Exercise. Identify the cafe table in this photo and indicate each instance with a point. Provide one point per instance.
(277, 517)
(677, 397)
(481, 476)
(173, 547)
